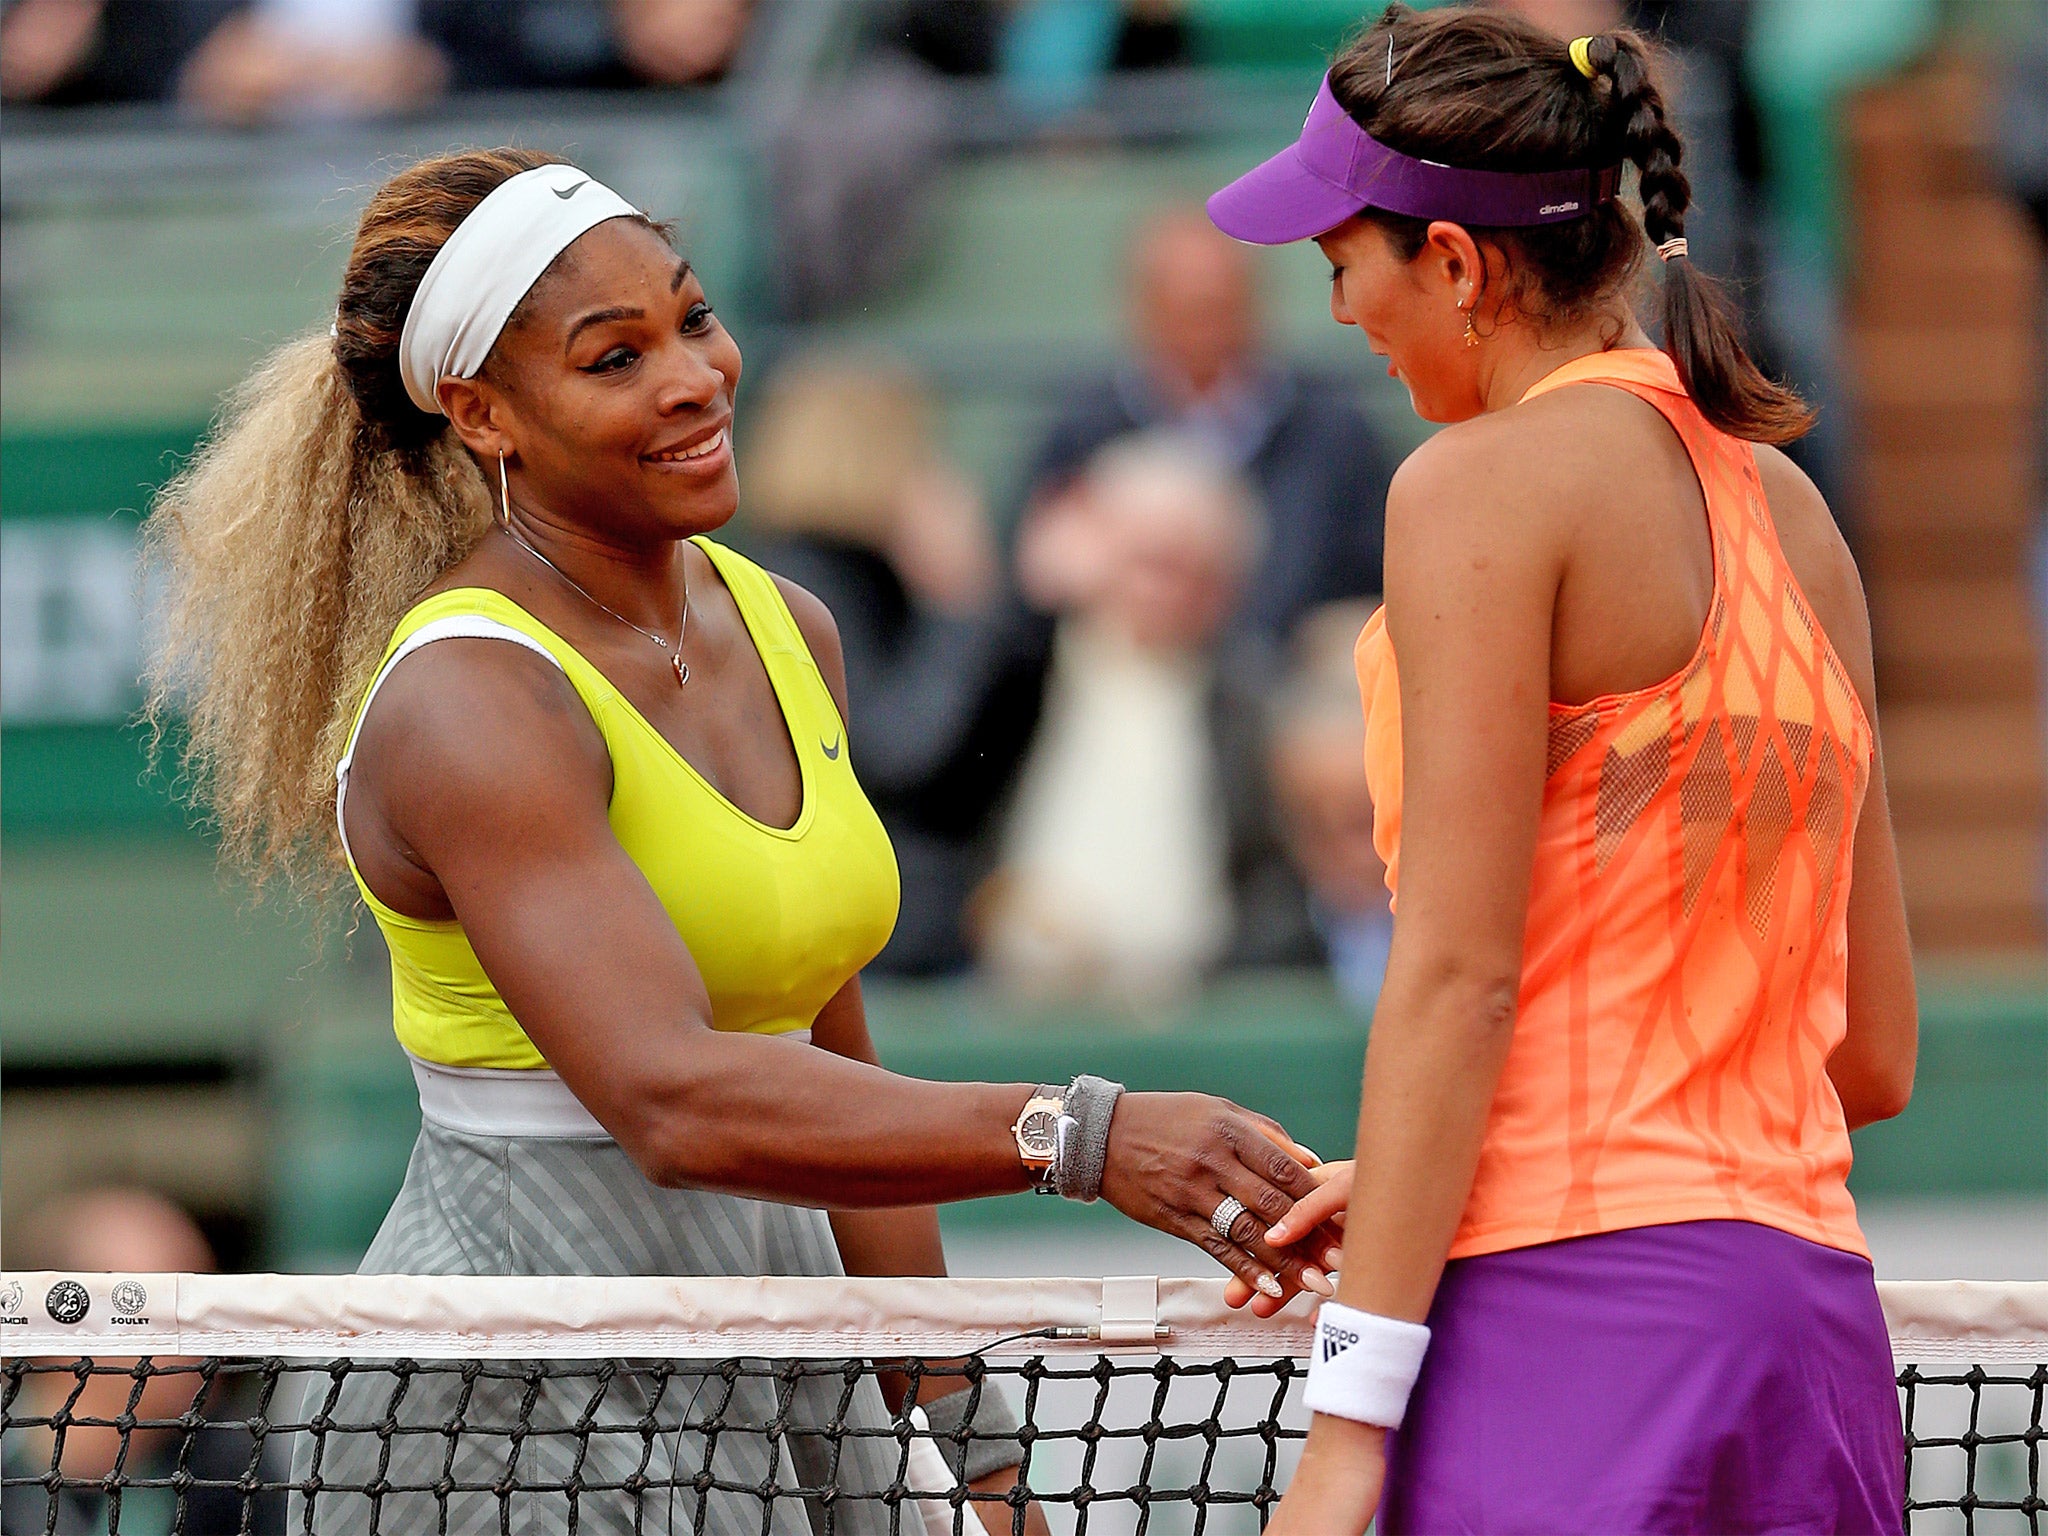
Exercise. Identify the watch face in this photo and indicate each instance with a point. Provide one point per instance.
(1038, 1132)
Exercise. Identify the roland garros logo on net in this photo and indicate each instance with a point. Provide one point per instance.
(69, 1302)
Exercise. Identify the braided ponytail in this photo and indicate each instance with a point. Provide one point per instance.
(1701, 331)
(1487, 89)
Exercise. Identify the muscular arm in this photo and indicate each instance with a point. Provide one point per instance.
(1872, 1069)
(481, 776)
(491, 770)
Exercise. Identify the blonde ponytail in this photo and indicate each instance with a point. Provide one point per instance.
(293, 543)
(320, 507)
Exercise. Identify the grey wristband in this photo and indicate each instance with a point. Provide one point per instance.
(1084, 1148)
(976, 1430)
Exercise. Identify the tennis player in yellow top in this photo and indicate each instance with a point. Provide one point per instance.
(595, 782)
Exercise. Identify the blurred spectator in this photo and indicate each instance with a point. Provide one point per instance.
(860, 507)
(679, 42)
(137, 1232)
(252, 61)
(74, 52)
(1201, 370)
(1316, 762)
(852, 163)
(1049, 54)
(280, 60)
(586, 44)
(1115, 867)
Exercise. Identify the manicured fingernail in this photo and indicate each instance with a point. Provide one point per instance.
(1270, 1286)
(1314, 1159)
(1278, 1232)
(1333, 1258)
(1318, 1282)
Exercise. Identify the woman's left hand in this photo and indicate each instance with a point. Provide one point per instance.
(1336, 1489)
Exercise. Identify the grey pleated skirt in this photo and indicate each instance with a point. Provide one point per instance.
(601, 1450)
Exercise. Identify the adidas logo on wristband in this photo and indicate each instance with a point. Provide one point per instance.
(1335, 1338)
(1364, 1365)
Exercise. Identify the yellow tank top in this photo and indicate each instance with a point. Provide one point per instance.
(777, 920)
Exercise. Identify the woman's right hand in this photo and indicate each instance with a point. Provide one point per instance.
(1319, 1216)
(1172, 1158)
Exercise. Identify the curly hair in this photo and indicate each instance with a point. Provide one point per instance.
(318, 508)
(1488, 90)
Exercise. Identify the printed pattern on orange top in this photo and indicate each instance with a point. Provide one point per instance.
(1685, 965)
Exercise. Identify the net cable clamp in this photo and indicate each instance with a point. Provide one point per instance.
(1130, 1311)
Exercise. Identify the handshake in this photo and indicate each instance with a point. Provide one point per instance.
(1230, 1181)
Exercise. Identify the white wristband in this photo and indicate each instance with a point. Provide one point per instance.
(1364, 1365)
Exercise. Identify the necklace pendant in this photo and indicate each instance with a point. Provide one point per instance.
(682, 667)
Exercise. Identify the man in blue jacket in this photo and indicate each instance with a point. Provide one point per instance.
(1200, 367)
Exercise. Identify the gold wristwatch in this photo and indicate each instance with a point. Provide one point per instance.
(1038, 1135)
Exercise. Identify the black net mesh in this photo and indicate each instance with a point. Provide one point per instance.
(791, 1448)
(1974, 1447)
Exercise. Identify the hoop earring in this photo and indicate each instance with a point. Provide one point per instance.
(505, 490)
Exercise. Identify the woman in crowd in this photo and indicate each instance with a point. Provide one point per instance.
(596, 787)
(847, 481)
(1650, 964)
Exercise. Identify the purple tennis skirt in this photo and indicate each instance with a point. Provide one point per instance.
(1709, 1376)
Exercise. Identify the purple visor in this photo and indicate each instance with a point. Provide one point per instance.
(1336, 168)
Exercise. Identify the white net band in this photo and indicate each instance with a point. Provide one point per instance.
(44, 1313)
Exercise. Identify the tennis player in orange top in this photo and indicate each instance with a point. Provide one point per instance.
(1650, 965)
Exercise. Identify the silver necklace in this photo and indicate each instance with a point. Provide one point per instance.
(674, 652)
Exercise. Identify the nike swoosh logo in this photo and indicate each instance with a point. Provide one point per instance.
(831, 752)
(565, 196)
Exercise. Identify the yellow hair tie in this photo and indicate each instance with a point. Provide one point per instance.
(1581, 51)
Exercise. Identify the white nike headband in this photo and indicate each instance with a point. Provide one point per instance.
(479, 276)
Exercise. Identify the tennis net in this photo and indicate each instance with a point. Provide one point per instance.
(784, 1406)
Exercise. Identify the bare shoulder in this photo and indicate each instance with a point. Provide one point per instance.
(1524, 478)
(1807, 530)
(1818, 554)
(476, 722)
(820, 630)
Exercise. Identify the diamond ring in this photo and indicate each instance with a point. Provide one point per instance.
(1224, 1217)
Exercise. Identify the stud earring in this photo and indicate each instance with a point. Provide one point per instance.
(505, 490)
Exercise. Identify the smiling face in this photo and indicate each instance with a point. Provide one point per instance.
(1412, 311)
(611, 393)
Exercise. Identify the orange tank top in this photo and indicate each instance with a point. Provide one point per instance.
(1685, 964)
